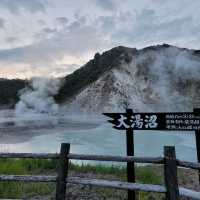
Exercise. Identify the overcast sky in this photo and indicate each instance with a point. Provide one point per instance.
(55, 37)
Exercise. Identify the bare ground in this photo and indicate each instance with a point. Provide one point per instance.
(187, 178)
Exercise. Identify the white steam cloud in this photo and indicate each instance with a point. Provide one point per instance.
(38, 97)
(170, 77)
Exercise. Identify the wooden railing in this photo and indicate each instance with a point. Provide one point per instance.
(171, 188)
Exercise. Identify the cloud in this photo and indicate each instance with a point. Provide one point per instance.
(64, 69)
(15, 6)
(41, 22)
(84, 28)
(11, 39)
(48, 30)
(45, 33)
(82, 37)
(106, 4)
(2, 23)
(62, 20)
(28, 71)
(146, 28)
(76, 39)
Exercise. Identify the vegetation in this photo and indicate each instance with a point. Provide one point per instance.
(91, 71)
(24, 167)
(36, 166)
(9, 91)
(144, 174)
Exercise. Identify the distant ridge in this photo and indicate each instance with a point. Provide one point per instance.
(94, 69)
(159, 77)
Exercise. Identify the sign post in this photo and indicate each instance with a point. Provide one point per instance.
(130, 152)
(177, 121)
(197, 136)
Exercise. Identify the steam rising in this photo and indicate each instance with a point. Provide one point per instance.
(170, 78)
(161, 78)
(38, 97)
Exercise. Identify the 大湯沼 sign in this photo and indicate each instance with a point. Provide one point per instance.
(183, 121)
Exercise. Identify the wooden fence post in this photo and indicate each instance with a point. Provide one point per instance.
(63, 163)
(170, 173)
(197, 135)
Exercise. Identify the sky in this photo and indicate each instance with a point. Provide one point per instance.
(55, 37)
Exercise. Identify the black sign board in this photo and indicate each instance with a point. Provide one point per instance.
(180, 121)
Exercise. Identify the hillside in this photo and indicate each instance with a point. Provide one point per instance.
(93, 70)
(161, 77)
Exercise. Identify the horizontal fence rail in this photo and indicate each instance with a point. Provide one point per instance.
(191, 165)
(30, 155)
(155, 160)
(102, 183)
(109, 158)
(28, 178)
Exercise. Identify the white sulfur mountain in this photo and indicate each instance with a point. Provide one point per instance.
(156, 78)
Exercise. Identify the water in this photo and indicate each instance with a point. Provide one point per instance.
(94, 137)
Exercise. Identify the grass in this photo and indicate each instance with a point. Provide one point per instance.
(146, 174)
(25, 167)
(24, 190)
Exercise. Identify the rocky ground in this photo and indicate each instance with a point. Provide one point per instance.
(187, 178)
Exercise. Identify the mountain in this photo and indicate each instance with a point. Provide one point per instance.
(93, 70)
(156, 78)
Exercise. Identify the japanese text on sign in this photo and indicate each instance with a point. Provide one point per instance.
(155, 121)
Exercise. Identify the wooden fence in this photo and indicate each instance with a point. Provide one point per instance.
(171, 188)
